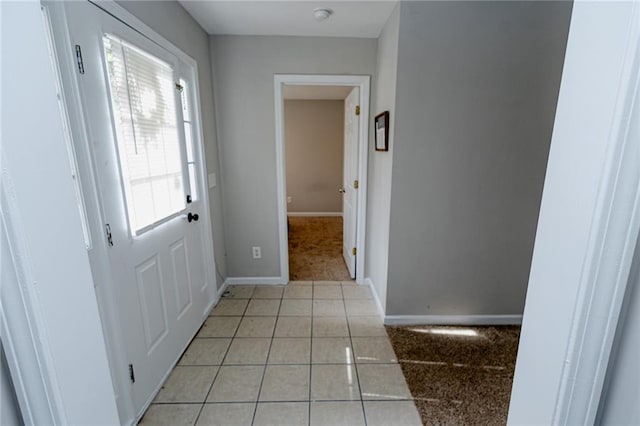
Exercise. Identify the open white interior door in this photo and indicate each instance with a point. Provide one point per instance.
(138, 111)
(350, 179)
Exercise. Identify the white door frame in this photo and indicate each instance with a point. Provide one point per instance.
(102, 277)
(610, 247)
(360, 81)
(606, 272)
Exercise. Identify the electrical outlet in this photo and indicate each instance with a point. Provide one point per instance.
(289, 199)
(257, 252)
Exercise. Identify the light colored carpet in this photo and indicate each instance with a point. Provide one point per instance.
(458, 375)
(315, 249)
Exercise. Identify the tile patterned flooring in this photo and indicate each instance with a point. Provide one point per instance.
(315, 249)
(309, 353)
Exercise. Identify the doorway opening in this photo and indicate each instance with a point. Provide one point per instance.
(314, 130)
(321, 140)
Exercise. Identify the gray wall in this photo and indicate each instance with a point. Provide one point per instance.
(477, 85)
(314, 135)
(380, 163)
(243, 68)
(171, 20)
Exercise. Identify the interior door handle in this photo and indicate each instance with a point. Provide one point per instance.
(341, 190)
(192, 216)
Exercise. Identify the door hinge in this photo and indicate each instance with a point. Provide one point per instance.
(357, 109)
(79, 59)
(356, 184)
(354, 251)
(109, 236)
(132, 375)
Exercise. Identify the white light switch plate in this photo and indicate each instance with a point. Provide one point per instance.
(212, 180)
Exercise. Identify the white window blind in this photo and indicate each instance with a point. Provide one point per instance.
(144, 110)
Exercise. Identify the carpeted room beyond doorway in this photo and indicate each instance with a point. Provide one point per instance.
(315, 249)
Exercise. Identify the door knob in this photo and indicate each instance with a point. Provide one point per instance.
(341, 190)
(192, 216)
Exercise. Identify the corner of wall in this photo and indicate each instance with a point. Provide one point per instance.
(377, 298)
(380, 163)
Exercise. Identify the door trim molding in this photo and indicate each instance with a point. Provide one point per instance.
(38, 394)
(605, 277)
(363, 83)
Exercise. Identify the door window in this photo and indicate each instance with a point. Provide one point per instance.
(143, 101)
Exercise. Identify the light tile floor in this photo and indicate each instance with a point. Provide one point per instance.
(309, 353)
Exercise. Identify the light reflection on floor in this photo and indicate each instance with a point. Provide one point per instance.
(448, 331)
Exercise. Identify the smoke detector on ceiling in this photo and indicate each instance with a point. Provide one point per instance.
(322, 14)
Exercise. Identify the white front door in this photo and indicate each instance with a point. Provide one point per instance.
(350, 180)
(138, 109)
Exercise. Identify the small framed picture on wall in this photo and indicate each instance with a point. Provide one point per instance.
(382, 131)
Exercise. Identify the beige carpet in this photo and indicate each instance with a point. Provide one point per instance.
(458, 375)
(315, 249)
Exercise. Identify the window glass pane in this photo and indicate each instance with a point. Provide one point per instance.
(188, 133)
(188, 136)
(186, 110)
(192, 177)
(144, 109)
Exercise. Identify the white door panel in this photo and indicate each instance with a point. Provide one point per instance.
(180, 266)
(350, 176)
(152, 302)
(157, 259)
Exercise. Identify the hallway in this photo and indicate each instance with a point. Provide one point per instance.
(310, 353)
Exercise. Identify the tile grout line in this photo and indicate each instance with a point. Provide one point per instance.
(286, 401)
(313, 287)
(264, 372)
(215, 377)
(355, 364)
(280, 364)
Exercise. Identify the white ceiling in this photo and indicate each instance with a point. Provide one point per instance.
(292, 18)
(316, 92)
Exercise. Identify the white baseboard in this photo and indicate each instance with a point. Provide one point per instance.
(316, 214)
(369, 283)
(254, 281)
(453, 319)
